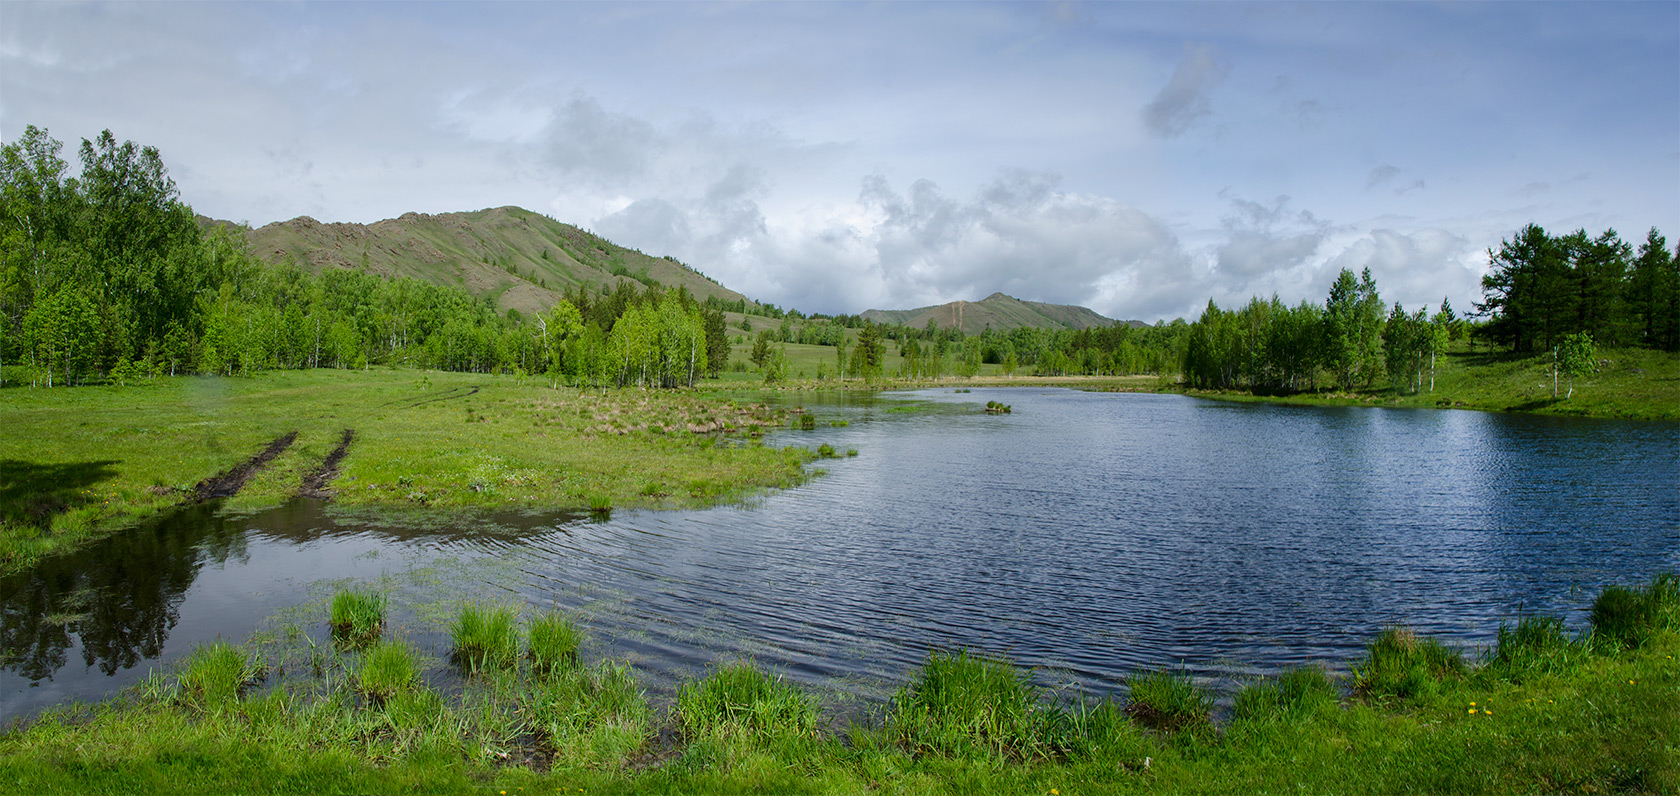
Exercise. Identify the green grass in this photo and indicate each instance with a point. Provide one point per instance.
(486, 636)
(961, 704)
(1401, 664)
(740, 699)
(388, 668)
(80, 463)
(1600, 721)
(1627, 618)
(1167, 700)
(357, 616)
(553, 642)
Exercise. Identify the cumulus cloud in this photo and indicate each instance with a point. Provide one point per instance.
(1265, 242)
(1184, 100)
(1415, 269)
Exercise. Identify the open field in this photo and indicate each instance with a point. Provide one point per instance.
(76, 463)
(1539, 711)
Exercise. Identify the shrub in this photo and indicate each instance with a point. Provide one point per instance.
(964, 705)
(357, 616)
(1167, 700)
(387, 668)
(1625, 618)
(553, 642)
(1400, 664)
(742, 698)
(485, 636)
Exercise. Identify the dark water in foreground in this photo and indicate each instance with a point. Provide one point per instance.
(1086, 535)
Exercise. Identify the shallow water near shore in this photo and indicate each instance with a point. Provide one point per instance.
(1085, 535)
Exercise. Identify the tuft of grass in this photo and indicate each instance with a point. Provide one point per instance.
(216, 673)
(485, 636)
(1163, 699)
(387, 669)
(553, 642)
(357, 617)
(740, 699)
(1624, 618)
(1537, 645)
(807, 422)
(825, 451)
(600, 504)
(963, 705)
(1296, 692)
(1400, 664)
(591, 718)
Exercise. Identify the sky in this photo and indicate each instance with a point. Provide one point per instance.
(1139, 159)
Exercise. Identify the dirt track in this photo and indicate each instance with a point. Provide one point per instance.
(315, 483)
(229, 482)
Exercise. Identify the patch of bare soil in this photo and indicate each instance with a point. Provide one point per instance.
(229, 482)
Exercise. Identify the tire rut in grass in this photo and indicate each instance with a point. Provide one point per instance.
(315, 483)
(454, 392)
(229, 482)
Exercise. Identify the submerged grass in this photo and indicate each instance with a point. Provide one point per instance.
(1601, 720)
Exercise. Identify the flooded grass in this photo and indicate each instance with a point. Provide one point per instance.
(553, 643)
(358, 617)
(962, 723)
(77, 464)
(486, 636)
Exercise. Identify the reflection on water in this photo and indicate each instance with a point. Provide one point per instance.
(1085, 535)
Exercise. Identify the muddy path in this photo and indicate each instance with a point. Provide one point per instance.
(228, 482)
(315, 482)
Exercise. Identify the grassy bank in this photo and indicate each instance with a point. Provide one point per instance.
(77, 463)
(1540, 711)
(1633, 383)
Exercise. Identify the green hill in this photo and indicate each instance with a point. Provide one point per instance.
(998, 312)
(521, 258)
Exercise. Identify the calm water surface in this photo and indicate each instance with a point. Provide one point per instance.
(1085, 535)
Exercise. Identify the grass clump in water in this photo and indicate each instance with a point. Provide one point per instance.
(1624, 618)
(357, 617)
(387, 669)
(553, 642)
(600, 505)
(1168, 700)
(1398, 663)
(962, 705)
(486, 635)
(826, 451)
(216, 673)
(740, 699)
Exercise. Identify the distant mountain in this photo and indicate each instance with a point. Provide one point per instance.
(998, 312)
(520, 258)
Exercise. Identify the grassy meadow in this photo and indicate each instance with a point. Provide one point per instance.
(76, 463)
(1541, 711)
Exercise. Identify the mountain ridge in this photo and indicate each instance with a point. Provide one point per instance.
(997, 311)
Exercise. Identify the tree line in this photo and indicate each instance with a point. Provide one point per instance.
(107, 275)
(1542, 288)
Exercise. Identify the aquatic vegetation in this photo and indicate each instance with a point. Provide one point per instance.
(1168, 700)
(485, 636)
(997, 408)
(215, 673)
(807, 422)
(600, 504)
(552, 642)
(387, 668)
(1400, 664)
(357, 617)
(825, 451)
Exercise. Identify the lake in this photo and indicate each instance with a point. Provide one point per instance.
(1085, 535)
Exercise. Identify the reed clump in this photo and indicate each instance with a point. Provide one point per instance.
(486, 636)
(216, 673)
(1400, 663)
(357, 617)
(388, 668)
(552, 642)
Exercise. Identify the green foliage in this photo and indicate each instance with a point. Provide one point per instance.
(357, 616)
(1167, 700)
(739, 698)
(553, 642)
(387, 669)
(1400, 664)
(215, 673)
(1575, 357)
(486, 636)
(963, 705)
(1628, 618)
